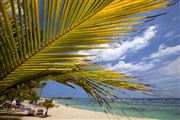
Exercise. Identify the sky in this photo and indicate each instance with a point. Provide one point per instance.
(151, 54)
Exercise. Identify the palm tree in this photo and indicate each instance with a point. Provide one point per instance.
(40, 43)
(48, 104)
(23, 92)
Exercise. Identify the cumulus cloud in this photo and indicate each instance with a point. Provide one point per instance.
(119, 50)
(154, 58)
(132, 67)
(165, 52)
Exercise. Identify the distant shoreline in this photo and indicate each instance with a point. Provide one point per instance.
(115, 98)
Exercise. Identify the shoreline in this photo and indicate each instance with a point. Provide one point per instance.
(62, 112)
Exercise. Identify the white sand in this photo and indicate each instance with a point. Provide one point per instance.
(69, 113)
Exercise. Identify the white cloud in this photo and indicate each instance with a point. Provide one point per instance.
(174, 37)
(144, 66)
(166, 75)
(172, 68)
(155, 60)
(169, 34)
(169, 70)
(130, 67)
(166, 78)
(119, 51)
(165, 52)
(162, 46)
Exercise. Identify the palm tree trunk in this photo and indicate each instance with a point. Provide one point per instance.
(46, 112)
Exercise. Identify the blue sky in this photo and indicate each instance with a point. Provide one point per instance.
(152, 54)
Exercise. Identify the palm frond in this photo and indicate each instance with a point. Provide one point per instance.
(35, 39)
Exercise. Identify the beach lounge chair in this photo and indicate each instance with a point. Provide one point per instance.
(31, 112)
(25, 109)
(40, 112)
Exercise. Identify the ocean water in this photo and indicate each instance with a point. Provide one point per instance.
(161, 109)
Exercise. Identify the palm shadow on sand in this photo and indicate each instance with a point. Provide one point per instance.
(15, 116)
(10, 116)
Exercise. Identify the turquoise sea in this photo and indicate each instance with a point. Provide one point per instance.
(161, 109)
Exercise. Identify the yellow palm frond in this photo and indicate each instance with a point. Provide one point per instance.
(35, 39)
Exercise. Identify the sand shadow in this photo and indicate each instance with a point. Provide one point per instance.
(7, 118)
(10, 116)
(16, 116)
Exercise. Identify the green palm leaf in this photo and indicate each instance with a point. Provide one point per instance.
(31, 43)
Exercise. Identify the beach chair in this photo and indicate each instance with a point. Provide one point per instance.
(40, 112)
(25, 109)
(31, 112)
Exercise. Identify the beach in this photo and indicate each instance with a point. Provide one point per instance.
(63, 112)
